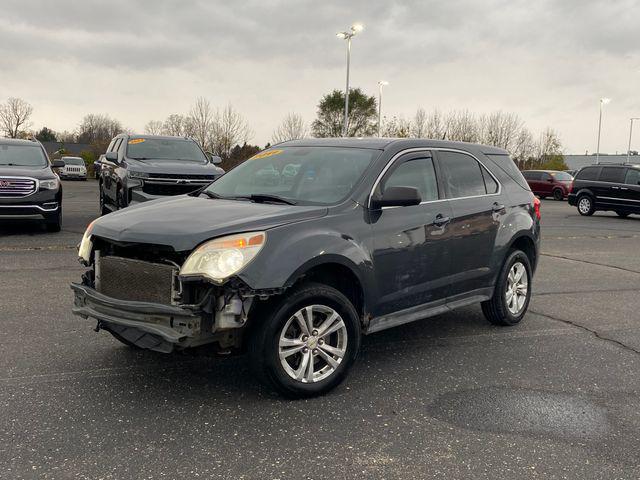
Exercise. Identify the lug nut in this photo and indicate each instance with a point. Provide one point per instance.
(305, 338)
(305, 350)
(314, 333)
(315, 351)
(321, 342)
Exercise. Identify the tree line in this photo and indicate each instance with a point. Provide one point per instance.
(225, 132)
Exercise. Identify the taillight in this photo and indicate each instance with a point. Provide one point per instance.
(571, 187)
(536, 207)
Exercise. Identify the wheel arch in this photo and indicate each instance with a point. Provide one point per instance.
(526, 244)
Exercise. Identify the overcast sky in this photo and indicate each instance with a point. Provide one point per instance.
(547, 61)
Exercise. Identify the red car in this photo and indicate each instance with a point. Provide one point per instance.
(549, 183)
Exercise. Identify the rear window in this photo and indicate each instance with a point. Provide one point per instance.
(509, 167)
(562, 176)
(588, 173)
(612, 174)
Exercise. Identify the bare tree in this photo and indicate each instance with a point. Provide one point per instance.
(461, 126)
(229, 128)
(549, 144)
(14, 116)
(500, 129)
(435, 127)
(291, 128)
(98, 129)
(154, 127)
(201, 119)
(397, 127)
(419, 124)
(176, 125)
(524, 149)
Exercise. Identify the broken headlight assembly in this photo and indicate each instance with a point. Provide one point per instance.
(222, 257)
(86, 245)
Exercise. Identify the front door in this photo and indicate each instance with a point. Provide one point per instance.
(411, 255)
(478, 206)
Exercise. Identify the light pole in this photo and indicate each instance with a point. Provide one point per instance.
(348, 35)
(381, 83)
(630, 132)
(603, 101)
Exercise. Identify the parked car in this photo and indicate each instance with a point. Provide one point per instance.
(546, 183)
(74, 167)
(137, 168)
(571, 172)
(373, 233)
(607, 187)
(97, 165)
(28, 186)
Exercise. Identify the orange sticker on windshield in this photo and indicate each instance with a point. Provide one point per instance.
(266, 153)
(136, 140)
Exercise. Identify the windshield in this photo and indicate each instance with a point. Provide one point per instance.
(304, 175)
(22, 156)
(165, 149)
(72, 161)
(562, 176)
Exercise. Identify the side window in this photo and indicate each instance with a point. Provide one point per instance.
(588, 173)
(417, 173)
(546, 177)
(110, 147)
(116, 146)
(490, 184)
(461, 175)
(633, 177)
(536, 176)
(612, 174)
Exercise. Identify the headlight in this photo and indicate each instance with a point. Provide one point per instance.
(49, 184)
(86, 245)
(134, 174)
(222, 257)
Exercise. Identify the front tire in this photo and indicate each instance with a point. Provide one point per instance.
(306, 342)
(622, 214)
(512, 292)
(585, 205)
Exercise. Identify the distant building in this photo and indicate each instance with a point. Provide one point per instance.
(574, 162)
(70, 148)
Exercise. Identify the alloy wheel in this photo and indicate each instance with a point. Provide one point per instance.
(312, 343)
(584, 205)
(517, 288)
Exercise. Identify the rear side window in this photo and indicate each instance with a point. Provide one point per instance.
(612, 174)
(489, 182)
(633, 177)
(588, 173)
(461, 175)
(417, 173)
(509, 167)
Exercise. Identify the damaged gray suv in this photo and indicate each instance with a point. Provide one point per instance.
(298, 252)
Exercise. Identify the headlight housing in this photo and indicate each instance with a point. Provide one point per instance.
(51, 184)
(222, 257)
(86, 245)
(134, 174)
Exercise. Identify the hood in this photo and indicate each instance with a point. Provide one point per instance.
(40, 173)
(178, 167)
(184, 222)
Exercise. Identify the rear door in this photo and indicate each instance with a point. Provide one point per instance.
(546, 184)
(411, 244)
(477, 205)
(631, 189)
(608, 189)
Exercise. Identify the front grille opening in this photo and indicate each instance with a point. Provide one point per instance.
(14, 187)
(169, 189)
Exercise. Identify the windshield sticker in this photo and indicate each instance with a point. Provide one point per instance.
(136, 140)
(266, 153)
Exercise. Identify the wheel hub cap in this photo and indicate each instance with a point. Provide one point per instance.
(517, 288)
(312, 343)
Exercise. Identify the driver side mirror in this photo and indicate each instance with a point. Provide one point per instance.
(57, 163)
(111, 157)
(216, 160)
(398, 197)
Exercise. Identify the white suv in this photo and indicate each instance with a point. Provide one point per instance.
(74, 167)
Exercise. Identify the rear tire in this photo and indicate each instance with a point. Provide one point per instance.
(288, 350)
(622, 214)
(586, 205)
(558, 195)
(512, 293)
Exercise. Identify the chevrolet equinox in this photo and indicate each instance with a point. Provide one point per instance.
(295, 254)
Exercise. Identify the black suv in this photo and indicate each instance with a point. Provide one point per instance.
(607, 187)
(347, 237)
(137, 168)
(28, 186)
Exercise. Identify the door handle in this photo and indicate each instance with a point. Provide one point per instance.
(497, 207)
(615, 188)
(441, 221)
(624, 188)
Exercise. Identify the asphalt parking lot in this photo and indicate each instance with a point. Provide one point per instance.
(450, 397)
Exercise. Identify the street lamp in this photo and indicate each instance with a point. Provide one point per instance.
(381, 84)
(630, 132)
(603, 101)
(348, 35)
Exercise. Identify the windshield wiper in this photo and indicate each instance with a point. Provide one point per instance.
(212, 195)
(265, 197)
